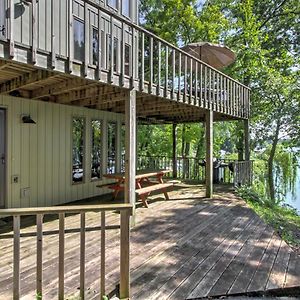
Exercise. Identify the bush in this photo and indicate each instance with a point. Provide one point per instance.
(250, 194)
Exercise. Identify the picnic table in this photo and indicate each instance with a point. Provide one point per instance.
(147, 181)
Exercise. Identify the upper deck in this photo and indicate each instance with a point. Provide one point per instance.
(85, 53)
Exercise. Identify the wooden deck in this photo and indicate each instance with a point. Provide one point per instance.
(185, 248)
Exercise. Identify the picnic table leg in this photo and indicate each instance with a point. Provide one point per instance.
(160, 180)
(143, 197)
(115, 194)
(144, 200)
(118, 188)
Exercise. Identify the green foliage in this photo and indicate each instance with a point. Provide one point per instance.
(284, 220)
(183, 21)
(265, 36)
(38, 296)
(249, 194)
(285, 170)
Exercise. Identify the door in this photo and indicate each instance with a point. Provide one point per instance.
(2, 157)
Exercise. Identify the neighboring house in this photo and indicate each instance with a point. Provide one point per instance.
(74, 68)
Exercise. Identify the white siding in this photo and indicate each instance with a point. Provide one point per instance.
(41, 154)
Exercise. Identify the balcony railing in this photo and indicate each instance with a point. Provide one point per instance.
(84, 39)
(125, 212)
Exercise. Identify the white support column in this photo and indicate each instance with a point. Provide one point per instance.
(247, 139)
(104, 147)
(130, 148)
(209, 153)
(119, 147)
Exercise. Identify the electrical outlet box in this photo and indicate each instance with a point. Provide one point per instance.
(25, 193)
(15, 179)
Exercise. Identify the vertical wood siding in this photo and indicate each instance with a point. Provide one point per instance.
(41, 154)
(23, 22)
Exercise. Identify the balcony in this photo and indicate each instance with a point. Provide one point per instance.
(79, 53)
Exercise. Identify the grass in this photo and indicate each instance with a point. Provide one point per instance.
(284, 220)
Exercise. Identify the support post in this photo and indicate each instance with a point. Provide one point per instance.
(130, 149)
(125, 256)
(247, 140)
(209, 153)
(174, 151)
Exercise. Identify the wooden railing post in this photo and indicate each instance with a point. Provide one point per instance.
(102, 283)
(130, 148)
(39, 254)
(179, 75)
(151, 66)
(61, 257)
(53, 45)
(166, 87)
(82, 255)
(70, 36)
(34, 31)
(124, 259)
(16, 284)
(142, 75)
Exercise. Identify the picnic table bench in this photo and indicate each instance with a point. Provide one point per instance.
(142, 177)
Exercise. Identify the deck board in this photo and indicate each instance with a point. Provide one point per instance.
(226, 279)
(187, 247)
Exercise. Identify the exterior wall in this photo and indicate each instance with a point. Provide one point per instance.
(57, 12)
(41, 154)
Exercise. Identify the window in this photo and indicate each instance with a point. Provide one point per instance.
(103, 52)
(115, 52)
(111, 147)
(78, 40)
(116, 56)
(96, 150)
(127, 59)
(78, 126)
(126, 8)
(113, 3)
(95, 46)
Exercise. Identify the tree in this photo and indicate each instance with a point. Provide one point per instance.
(265, 36)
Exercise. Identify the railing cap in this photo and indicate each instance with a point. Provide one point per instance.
(65, 209)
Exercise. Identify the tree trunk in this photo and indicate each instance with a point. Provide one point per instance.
(271, 163)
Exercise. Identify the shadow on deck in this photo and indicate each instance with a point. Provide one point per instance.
(186, 248)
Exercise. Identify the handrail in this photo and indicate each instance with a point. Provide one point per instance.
(193, 168)
(139, 28)
(125, 210)
(65, 209)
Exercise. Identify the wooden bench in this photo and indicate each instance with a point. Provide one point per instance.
(144, 192)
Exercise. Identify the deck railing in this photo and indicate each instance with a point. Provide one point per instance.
(119, 53)
(125, 212)
(243, 173)
(191, 168)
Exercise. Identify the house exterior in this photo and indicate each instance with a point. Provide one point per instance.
(80, 69)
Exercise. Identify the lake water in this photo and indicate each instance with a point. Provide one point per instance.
(294, 200)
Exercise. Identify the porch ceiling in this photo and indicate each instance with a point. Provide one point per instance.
(27, 81)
